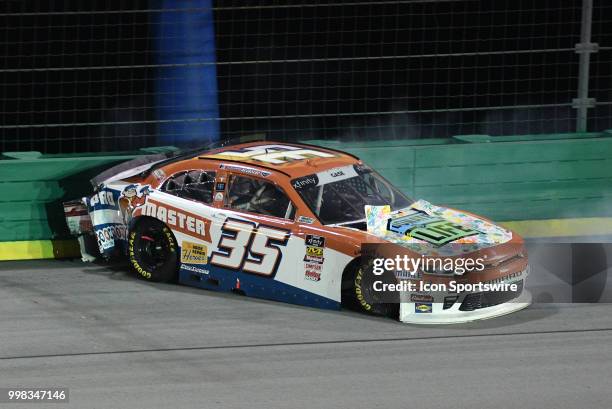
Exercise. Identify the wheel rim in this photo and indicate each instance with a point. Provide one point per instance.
(153, 249)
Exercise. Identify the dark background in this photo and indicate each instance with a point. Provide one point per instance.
(345, 69)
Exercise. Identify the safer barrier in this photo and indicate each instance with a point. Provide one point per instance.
(33, 188)
(504, 178)
(542, 185)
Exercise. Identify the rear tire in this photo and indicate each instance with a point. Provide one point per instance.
(358, 293)
(153, 251)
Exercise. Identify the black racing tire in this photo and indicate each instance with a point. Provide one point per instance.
(153, 251)
(358, 293)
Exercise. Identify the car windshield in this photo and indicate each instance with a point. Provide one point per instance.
(339, 195)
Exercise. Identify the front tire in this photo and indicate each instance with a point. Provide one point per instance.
(358, 293)
(153, 251)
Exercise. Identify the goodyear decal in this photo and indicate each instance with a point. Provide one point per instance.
(131, 251)
(360, 297)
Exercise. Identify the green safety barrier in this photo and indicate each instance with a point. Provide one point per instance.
(33, 187)
(537, 184)
(504, 178)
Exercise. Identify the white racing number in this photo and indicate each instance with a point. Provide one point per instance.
(244, 246)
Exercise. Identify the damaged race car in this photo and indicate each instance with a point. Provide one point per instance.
(300, 224)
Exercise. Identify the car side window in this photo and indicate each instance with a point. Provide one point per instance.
(258, 196)
(194, 185)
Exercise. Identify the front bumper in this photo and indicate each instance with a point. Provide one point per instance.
(466, 307)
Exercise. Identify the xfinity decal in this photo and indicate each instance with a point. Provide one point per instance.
(305, 181)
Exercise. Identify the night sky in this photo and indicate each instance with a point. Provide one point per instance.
(356, 69)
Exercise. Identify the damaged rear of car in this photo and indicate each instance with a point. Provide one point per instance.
(100, 221)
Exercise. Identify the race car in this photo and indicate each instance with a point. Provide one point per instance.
(300, 224)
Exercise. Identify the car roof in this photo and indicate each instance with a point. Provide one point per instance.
(294, 160)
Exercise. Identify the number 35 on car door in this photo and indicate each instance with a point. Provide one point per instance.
(246, 246)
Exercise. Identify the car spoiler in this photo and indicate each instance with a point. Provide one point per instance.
(129, 168)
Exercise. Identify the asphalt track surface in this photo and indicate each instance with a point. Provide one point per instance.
(117, 342)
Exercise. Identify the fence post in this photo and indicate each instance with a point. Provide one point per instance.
(584, 48)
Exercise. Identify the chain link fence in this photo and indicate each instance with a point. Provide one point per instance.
(116, 75)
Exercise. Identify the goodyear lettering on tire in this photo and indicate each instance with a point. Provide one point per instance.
(358, 291)
(141, 271)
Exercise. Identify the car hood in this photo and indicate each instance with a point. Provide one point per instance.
(433, 230)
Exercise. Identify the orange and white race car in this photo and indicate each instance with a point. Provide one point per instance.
(305, 225)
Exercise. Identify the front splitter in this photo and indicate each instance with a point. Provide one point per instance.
(453, 315)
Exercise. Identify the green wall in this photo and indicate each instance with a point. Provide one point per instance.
(34, 186)
(503, 178)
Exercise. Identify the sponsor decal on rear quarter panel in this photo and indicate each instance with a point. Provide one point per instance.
(178, 219)
(193, 253)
